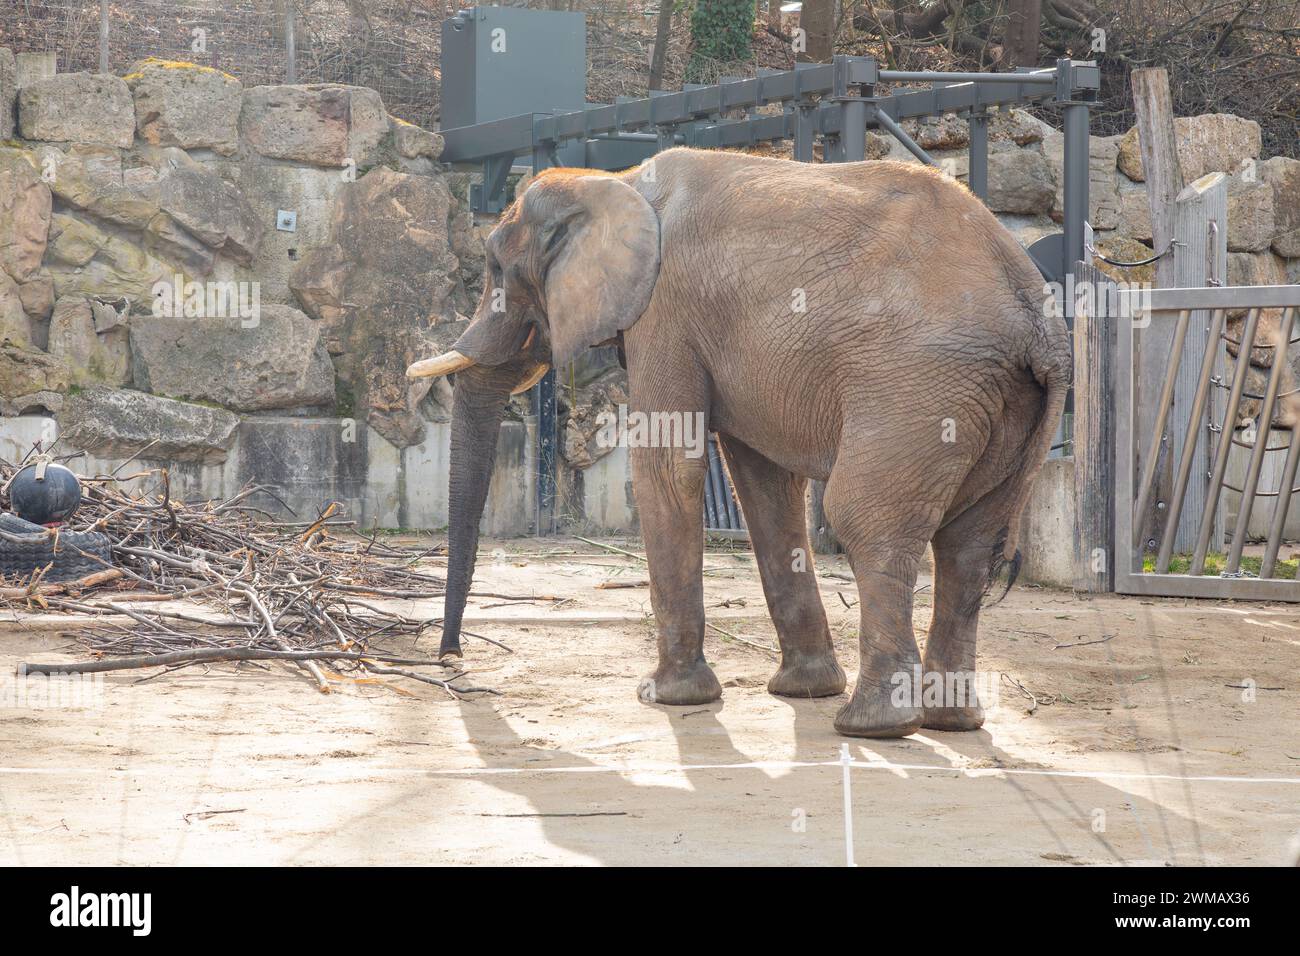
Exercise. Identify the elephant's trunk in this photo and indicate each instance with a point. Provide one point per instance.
(477, 408)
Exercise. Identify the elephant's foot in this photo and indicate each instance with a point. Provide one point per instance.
(874, 713)
(953, 718)
(680, 685)
(808, 675)
(950, 694)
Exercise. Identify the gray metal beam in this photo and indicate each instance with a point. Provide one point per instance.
(900, 134)
(977, 176)
(955, 92)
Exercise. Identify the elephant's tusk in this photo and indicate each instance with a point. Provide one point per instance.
(532, 379)
(444, 364)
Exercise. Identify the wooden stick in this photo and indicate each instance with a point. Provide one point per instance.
(204, 655)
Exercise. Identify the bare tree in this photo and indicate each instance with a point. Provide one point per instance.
(817, 20)
(663, 33)
(1023, 31)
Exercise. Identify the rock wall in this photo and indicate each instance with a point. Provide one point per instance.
(183, 261)
(193, 272)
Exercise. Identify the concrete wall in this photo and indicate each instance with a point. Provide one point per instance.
(1047, 531)
(309, 462)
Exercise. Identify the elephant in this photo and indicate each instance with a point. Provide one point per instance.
(869, 325)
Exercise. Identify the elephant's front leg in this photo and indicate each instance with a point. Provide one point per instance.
(669, 487)
(773, 503)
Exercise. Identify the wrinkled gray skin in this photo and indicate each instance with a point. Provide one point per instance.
(922, 381)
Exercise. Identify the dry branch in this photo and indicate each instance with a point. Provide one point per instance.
(264, 590)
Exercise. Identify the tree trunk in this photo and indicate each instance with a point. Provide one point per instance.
(1022, 32)
(817, 20)
(663, 31)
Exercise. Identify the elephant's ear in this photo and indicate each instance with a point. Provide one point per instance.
(603, 254)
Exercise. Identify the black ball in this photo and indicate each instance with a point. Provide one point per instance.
(50, 499)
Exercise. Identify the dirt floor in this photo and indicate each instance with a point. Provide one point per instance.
(1137, 751)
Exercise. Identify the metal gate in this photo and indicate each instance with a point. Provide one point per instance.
(1145, 536)
(720, 510)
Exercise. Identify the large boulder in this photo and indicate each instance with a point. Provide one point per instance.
(1283, 175)
(951, 131)
(87, 260)
(1210, 143)
(1103, 181)
(209, 208)
(93, 351)
(164, 238)
(119, 423)
(78, 108)
(26, 376)
(15, 327)
(25, 205)
(185, 105)
(412, 142)
(37, 295)
(8, 93)
(87, 179)
(322, 124)
(275, 361)
(1256, 268)
(1123, 248)
(587, 410)
(386, 276)
(1134, 213)
(1020, 181)
(1250, 215)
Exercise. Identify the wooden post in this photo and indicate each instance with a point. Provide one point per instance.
(1153, 106)
(1094, 436)
(103, 36)
(1201, 230)
(290, 45)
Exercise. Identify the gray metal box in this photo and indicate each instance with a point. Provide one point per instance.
(504, 61)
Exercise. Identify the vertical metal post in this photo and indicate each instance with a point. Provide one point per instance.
(1225, 444)
(853, 130)
(103, 36)
(1196, 423)
(543, 405)
(978, 153)
(1251, 485)
(805, 131)
(1076, 181)
(290, 44)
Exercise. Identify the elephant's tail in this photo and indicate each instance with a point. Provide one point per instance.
(1050, 359)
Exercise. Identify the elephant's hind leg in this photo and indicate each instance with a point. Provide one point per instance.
(964, 554)
(772, 500)
(883, 519)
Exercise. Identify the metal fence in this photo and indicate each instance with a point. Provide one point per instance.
(390, 46)
(1192, 575)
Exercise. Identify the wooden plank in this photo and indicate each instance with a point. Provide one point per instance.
(1154, 110)
(1094, 438)
(1202, 254)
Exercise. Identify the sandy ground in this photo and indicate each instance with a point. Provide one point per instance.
(1136, 753)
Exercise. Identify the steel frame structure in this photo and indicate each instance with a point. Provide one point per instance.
(1132, 493)
(837, 102)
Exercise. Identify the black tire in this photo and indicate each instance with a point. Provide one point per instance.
(27, 547)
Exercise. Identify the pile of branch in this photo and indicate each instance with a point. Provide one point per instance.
(253, 588)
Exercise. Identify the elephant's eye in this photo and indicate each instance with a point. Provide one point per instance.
(556, 237)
